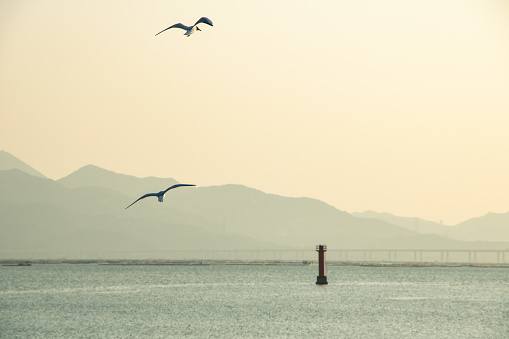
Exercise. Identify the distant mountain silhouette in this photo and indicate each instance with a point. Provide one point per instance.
(415, 224)
(86, 211)
(40, 214)
(490, 227)
(129, 185)
(9, 161)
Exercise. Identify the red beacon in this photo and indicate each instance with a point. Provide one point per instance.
(321, 279)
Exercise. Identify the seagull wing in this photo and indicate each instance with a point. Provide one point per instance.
(179, 25)
(143, 197)
(177, 185)
(205, 21)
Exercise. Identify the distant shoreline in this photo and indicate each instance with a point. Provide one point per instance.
(140, 262)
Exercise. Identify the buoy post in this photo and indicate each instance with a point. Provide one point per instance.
(321, 279)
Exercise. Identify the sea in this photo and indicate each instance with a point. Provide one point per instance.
(252, 301)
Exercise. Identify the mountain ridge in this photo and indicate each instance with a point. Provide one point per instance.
(91, 175)
(9, 161)
(228, 216)
(491, 227)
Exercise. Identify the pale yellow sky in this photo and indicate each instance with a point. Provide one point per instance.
(395, 106)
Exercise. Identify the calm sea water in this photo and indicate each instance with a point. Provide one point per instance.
(102, 301)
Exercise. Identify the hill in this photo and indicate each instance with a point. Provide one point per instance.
(41, 215)
(9, 161)
(127, 184)
(86, 211)
(490, 227)
(415, 224)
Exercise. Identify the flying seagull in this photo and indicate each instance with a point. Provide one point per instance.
(190, 29)
(159, 195)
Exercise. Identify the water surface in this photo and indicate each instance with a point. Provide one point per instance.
(235, 301)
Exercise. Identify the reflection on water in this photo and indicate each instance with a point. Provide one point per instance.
(225, 301)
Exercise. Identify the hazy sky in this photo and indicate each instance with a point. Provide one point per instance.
(395, 106)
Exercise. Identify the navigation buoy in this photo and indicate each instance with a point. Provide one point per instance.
(321, 279)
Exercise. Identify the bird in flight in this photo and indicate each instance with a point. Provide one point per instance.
(159, 195)
(190, 29)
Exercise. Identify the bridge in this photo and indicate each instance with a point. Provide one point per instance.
(421, 255)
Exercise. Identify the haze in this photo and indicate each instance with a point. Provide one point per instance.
(397, 106)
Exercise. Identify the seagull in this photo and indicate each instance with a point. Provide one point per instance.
(159, 195)
(190, 29)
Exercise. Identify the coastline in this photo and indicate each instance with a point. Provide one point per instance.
(194, 262)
